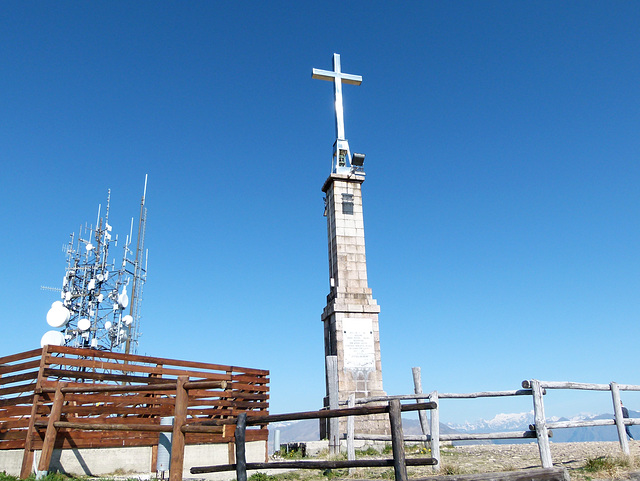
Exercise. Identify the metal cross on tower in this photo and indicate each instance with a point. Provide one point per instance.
(341, 146)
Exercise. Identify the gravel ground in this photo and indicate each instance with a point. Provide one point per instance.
(508, 457)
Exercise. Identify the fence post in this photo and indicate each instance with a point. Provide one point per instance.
(435, 430)
(50, 437)
(542, 433)
(351, 449)
(176, 465)
(417, 389)
(397, 440)
(334, 424)
(241, 456)
(619, 418)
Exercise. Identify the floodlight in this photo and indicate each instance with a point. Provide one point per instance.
(357, 160)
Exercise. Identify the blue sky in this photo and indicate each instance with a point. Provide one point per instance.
(501, 202)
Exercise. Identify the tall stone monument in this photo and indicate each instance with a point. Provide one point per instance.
(351, 316)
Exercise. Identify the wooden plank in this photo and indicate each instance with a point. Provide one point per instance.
(23, 366)
(21, 355)
(333, 464)
(157, 360)
(96, 376)
(397, 441)
(241, 458)
(22, 388)
(541, 425)
(50, 436)
(535, 474)
(27, 376)
(177, 438)
(16, 401)
(27, 457)
(568, 385)
(619, 419)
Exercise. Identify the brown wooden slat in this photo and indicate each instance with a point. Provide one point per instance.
(23, 366)
(16, 401)
(28, 376)
(21, 355)
(22, 388)
(62, 373)
(157, 360)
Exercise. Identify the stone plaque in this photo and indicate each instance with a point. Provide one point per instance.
(357, 342)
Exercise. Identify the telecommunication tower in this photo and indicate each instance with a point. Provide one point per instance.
(95, 310)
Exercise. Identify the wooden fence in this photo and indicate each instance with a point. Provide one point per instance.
(539, 430)
(399, 460)
(62, 397)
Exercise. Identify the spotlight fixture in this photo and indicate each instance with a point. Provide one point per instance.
(357, 160)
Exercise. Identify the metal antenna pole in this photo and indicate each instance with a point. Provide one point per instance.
(136, 265)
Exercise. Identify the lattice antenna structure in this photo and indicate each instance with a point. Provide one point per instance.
(91, 312)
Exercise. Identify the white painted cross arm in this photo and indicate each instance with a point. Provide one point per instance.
(331, 76)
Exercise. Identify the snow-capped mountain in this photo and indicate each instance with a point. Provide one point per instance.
(521, 421)
(501, 422)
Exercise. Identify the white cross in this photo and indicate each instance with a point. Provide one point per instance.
(337, 77)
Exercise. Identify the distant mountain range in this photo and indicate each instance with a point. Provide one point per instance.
(308, 430)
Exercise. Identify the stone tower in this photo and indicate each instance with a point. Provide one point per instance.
(350, 317)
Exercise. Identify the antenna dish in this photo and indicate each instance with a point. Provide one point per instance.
(52, 338)
(84, 324)
(89, 246)
(123, 299)
(107, 325)
(128, 320)
(58, 315)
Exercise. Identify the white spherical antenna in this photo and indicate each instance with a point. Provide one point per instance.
(56, 304)
(100, 277)
(52, 338)
(128, 320)
(58, 315)
(89, 246)
(107, 325)
(100, 298)
(84, 324)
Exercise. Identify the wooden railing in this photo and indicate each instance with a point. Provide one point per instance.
(116, 391)
(539, 430)
(399, 460)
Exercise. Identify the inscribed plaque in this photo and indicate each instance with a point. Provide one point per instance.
(357, 341)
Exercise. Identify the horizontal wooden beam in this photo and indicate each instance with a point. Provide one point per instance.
(336, 464)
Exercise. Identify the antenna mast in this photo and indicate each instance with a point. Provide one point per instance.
(91, 312)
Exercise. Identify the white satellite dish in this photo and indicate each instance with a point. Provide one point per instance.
(123, 299)
(89, 246)
(92, 285)
(58, 315)
(100, 277)
(107, 325)
(84, 324)
(128, 320)
(52, 338)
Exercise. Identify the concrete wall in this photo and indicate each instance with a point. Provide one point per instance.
(131, 460)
